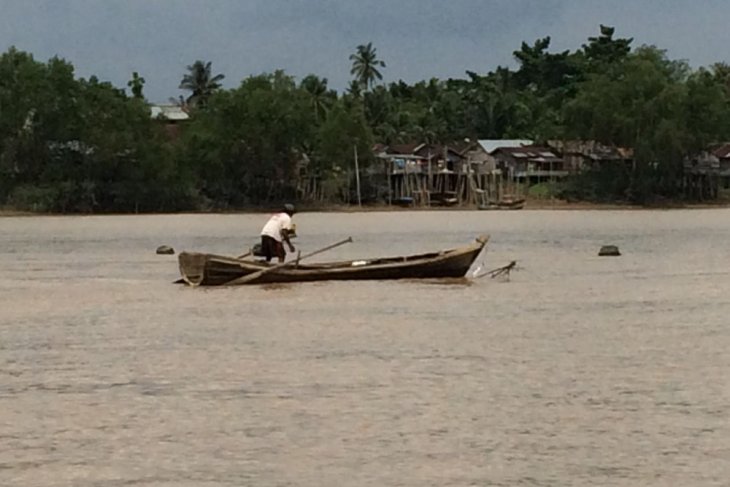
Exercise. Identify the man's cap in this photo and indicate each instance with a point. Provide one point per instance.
(289, 208)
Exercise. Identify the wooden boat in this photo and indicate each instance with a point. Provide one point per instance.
(504, 204)
(404, 201)
(497, 206)
(214, 270)
(512, 203)
(446, 198)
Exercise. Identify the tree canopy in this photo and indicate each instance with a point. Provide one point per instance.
(365, 64)
(201, 83)
(75, 144)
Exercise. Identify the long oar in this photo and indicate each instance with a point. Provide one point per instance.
(257, 274)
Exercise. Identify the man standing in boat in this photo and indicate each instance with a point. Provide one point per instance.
(278, 230)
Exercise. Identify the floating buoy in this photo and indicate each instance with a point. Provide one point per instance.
(609, 251)
(165, 250)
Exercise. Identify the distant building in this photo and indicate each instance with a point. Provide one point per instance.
(490, 145)
(722, 153)
(170, 113)
(580, 155)
(420, 158)
(529, 164)
(479, 154)
(172, 116)
(708, 171)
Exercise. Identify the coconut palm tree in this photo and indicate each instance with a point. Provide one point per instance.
(321, 97)
(365, 65)
(354, 89)
(200, 82)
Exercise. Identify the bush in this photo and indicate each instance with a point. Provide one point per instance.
(545, 190)
(30, 197)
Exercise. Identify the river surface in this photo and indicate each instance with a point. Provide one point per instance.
(579, 370)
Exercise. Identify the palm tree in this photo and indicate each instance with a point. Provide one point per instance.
(321, 98)
(137, 85)
(354, 89)
(365, 65)
(200, 82)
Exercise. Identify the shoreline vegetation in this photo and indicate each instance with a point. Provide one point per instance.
(651, 132)
(531, 204)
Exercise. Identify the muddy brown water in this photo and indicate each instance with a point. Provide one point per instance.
(579, 370)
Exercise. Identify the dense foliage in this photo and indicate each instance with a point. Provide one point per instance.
(69, 144)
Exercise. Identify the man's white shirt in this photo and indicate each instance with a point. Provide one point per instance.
(275, 226)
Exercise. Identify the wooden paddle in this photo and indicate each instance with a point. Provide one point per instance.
(255, 275)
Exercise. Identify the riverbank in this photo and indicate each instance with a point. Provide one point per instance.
(4, 212)
(556, 204)
(530, 204)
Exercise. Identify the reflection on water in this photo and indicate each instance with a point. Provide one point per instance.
(578, 370)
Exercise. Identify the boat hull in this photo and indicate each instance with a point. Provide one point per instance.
(506, 204)
(212, 270)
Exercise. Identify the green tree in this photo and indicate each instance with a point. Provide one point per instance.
(247, 144)
(74, 145)
(136, 85)
(706, 107)
(603, 51)
(640, 103)
(38, 108)
(493, 106)
(344, 131)
(321, 98)
(365, 64)
(201, 83)
(541, 71)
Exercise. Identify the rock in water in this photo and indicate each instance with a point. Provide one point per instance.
(165, 250)
(609, 251)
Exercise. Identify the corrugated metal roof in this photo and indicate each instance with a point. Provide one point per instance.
(168, 112)
(490, 145)
(532, 153)
(723, 152)
(405, 148)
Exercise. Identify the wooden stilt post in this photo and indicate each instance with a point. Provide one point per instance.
(357, 177)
